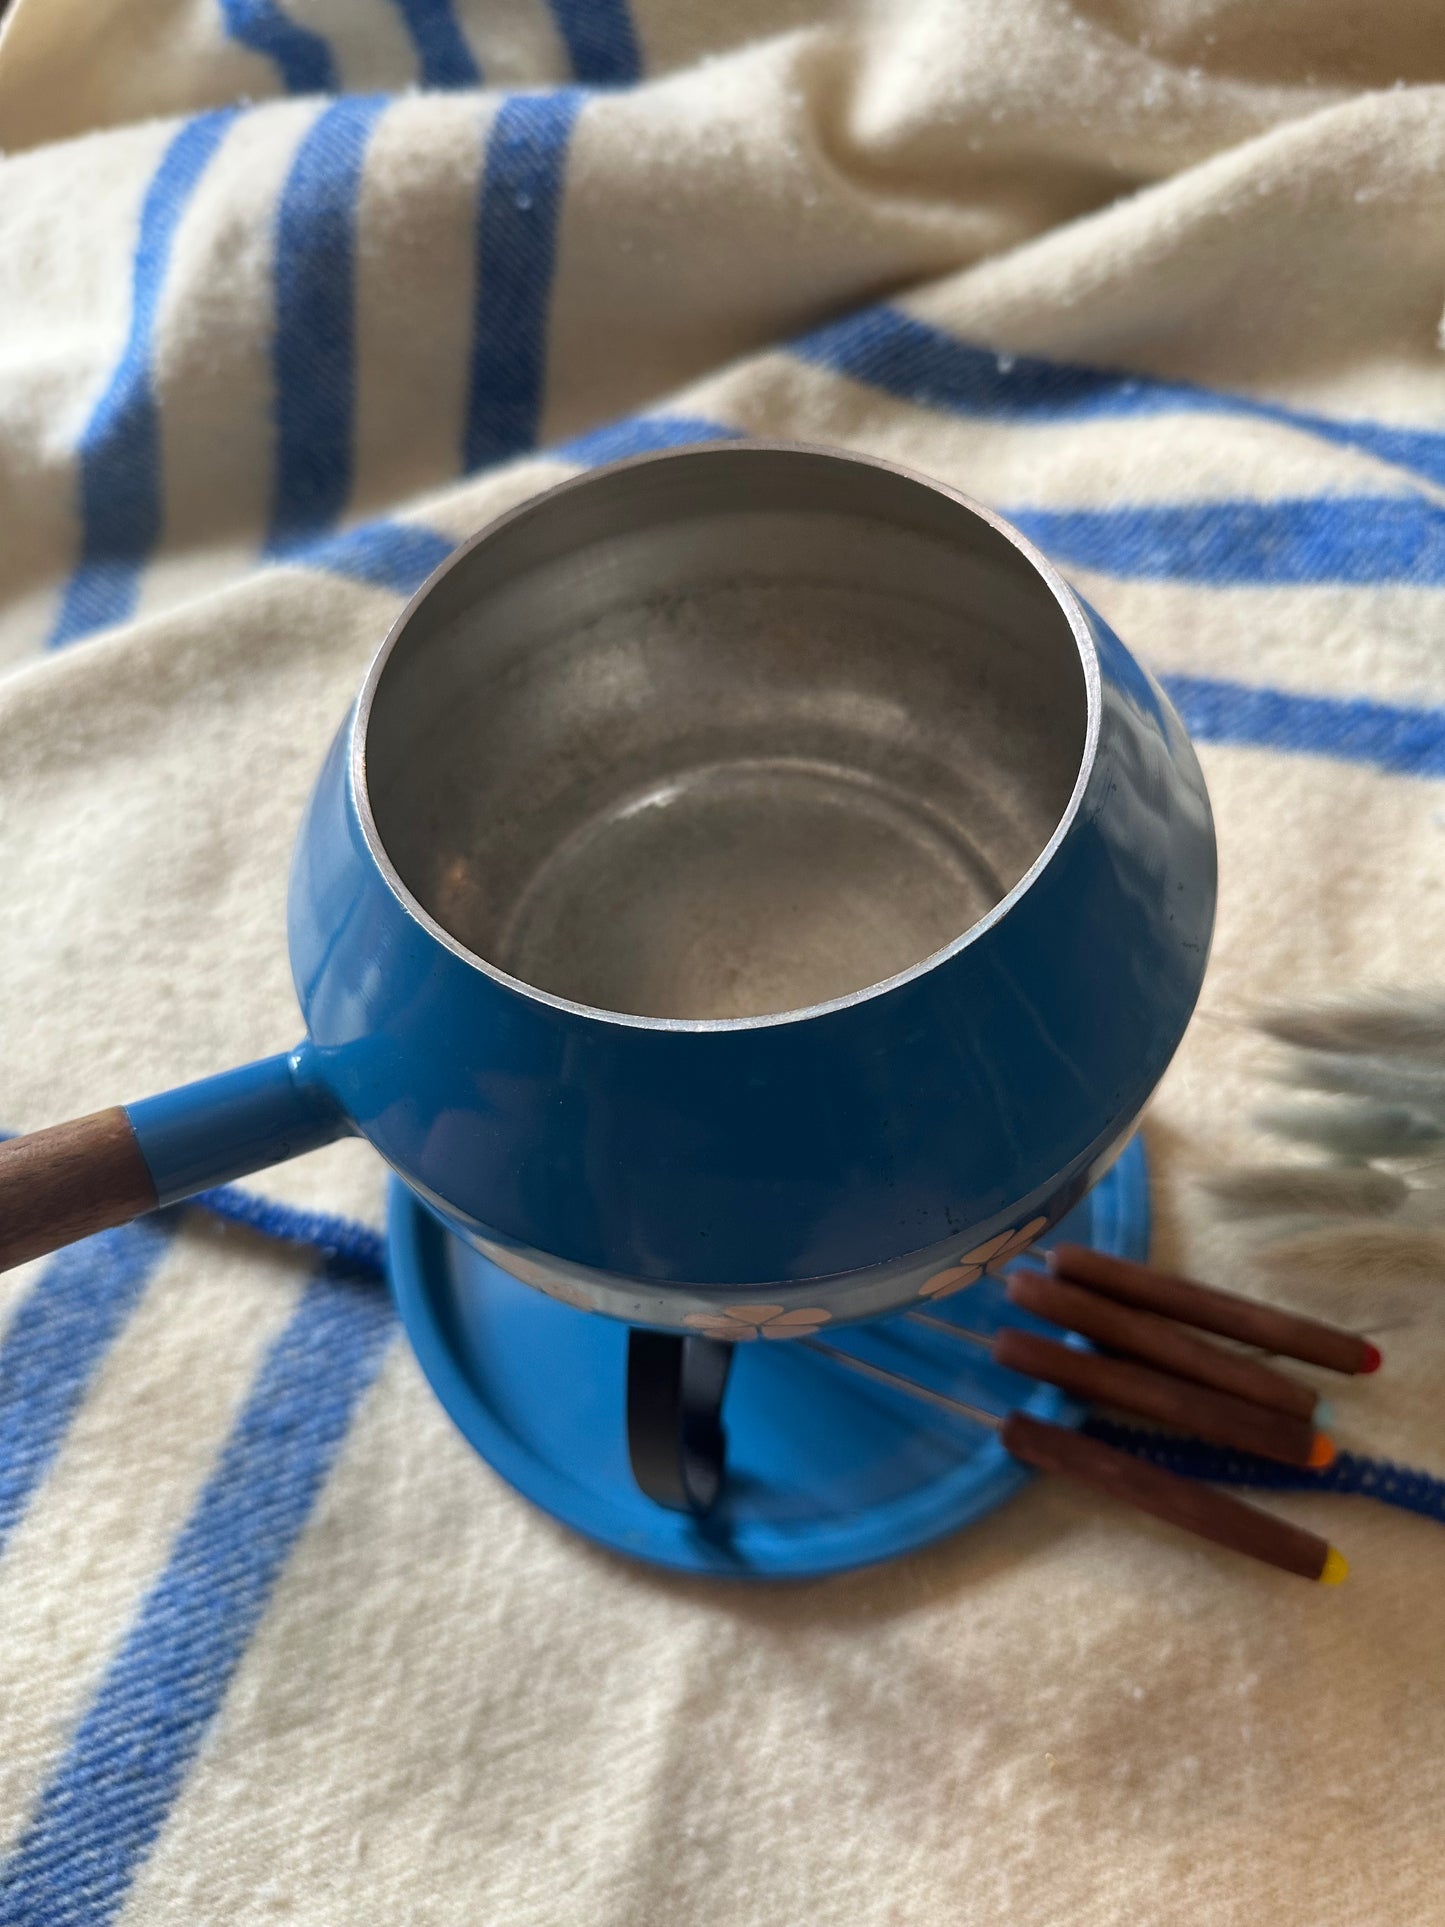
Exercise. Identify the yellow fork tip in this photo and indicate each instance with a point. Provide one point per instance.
(1336, 1569)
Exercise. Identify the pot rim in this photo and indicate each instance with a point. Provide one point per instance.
(1063, 596)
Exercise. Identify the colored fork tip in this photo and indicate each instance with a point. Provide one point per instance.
(1322, 1452)
(1336, 1569)
(1372, 1360)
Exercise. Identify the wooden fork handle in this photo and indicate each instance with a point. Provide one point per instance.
(1179, 1502)
(69, 1181)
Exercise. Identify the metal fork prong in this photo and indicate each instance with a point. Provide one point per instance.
(900, 1384)
(951, 1330)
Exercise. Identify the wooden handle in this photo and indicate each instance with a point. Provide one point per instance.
(1171, 1401)
(68, 1182)
(1179, 1502)
(1209, 1309)
(1159, 1341)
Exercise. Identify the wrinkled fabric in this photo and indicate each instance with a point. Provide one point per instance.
(294, 294)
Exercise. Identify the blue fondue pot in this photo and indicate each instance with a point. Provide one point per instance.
(752, 891)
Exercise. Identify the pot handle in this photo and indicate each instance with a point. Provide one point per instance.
(96, 1172)
(675, 1438)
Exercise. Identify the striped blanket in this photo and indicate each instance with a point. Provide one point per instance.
(294, 294)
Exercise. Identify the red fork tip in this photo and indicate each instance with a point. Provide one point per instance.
(1372, 1359)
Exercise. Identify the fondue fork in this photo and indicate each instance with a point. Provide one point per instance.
(1222, 1417)
(1158, 1341)
(1207, 1308)
(1212, 1515)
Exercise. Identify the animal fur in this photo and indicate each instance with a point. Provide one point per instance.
(1355, 1218)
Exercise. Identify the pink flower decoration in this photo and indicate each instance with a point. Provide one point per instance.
(740, 1322)
(992, 1255)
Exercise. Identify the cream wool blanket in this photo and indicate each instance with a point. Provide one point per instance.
(295, 293)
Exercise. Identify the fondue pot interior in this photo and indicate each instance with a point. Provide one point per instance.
(697, 752)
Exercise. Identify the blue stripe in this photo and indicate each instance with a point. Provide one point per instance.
(907, 358)
(1403, 741)
(389, 555)
(600, 40)
(640, 435)
(120, 456)
(302, 58)
(1223, 544)
(1397, 1485)
(56, 1343)
(346, 1239)
(1291, 543)
(1294, 542)
(314, 352)
(443, 56)
(109, 1796)
(516, 247)
(1398, 738)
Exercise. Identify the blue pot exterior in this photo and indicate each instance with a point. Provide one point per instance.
(836, 1164)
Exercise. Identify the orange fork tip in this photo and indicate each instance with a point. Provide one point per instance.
(1336, 1569)
(1322, 1452)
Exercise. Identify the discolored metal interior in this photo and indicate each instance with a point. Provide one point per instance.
(725, 734)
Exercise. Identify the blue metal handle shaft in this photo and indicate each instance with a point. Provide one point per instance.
(225, 1127)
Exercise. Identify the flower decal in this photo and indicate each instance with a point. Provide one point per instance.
(740, 1322)
(529, 1272)
(992, 1255)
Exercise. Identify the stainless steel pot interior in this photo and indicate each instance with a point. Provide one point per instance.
(725, 734)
